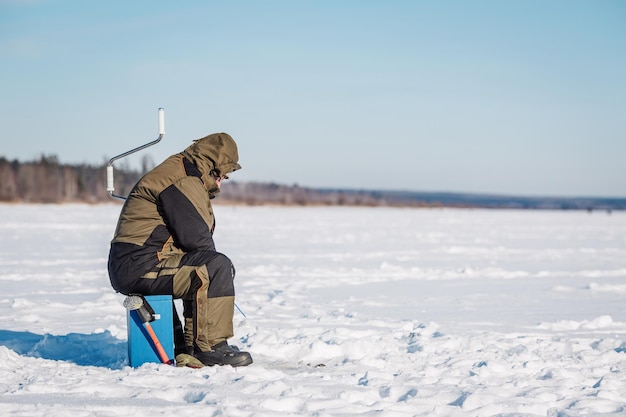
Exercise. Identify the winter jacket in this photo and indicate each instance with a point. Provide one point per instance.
(169, 211)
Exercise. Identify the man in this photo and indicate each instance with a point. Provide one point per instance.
(163, 244)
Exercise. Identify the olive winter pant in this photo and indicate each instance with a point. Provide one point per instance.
(204, 281)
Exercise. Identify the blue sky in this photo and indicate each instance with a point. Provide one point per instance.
(501, 97)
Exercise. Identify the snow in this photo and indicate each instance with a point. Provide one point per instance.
(349, 312)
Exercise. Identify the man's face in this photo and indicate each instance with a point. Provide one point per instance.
(218, 180)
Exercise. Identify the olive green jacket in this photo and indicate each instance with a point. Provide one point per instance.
(169, 211)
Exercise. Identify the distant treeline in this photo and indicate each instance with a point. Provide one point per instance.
(49, 181)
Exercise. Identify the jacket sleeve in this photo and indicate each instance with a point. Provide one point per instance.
(186, 210)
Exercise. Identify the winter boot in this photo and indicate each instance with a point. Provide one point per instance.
(224, 354)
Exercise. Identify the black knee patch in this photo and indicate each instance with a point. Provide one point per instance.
(222, 275)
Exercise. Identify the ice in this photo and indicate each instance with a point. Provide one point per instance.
(349, 312)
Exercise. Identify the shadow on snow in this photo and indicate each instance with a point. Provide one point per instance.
(96, 349)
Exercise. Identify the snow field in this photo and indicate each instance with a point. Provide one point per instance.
(350, 312)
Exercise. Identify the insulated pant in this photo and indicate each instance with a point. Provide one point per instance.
(203, 279)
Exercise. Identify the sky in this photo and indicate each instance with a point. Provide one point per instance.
(495, 97)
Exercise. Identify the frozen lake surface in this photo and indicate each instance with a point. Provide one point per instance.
(411, 313)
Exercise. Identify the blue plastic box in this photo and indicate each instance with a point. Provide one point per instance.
(140, 346)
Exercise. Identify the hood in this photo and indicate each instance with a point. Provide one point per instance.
(214, 155)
